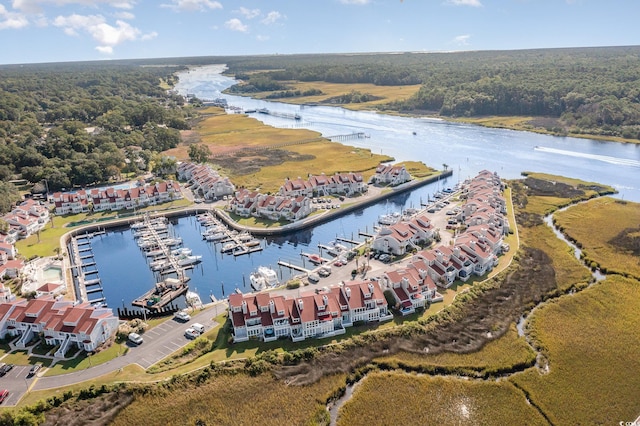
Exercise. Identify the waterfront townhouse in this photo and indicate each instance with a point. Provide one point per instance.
(348, 183)
(479, 252)
(412, 286)
(321, 185)
(70, 202)
(205, 181)
(110, 199)
(267, 206)
(387, 174)
(9, 250)
(27, 218)
(244, 203)
(361, 301)
(10, 268)
(401, 237)
(315, 315)
(321, 314)
(296, 187)
(60, 322)
(295, 208)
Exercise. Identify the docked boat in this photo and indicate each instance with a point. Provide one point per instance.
(185, 251)
(155, 253)
(252, 243)
(172, 242)
(228, 247)
(336, 249)
(270, 276)
(257, 282)
(314, 258)
(162, 294)
(389, 219)
(159, 265)
(186, 260)
(215, 237)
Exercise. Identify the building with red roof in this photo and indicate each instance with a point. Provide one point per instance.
(322, 314)
(61, 322)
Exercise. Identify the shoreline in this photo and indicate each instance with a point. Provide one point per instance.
(367, 200)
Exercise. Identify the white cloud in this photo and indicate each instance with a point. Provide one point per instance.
(124, 15)
(235, 24)
(107, 36)
(461, 40)
(359, 2)
(193, 5)
(262, 38)
(272, 17)
(474, 3)
(11, 20)
(106, 50)
(35, 6)
(249, 13)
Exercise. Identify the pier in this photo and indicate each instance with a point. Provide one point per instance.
(81, 257)
(293, 266)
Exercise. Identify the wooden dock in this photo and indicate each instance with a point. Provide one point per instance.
(162, 294)
(293, 266)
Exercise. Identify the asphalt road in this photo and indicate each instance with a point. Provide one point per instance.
(159, 342)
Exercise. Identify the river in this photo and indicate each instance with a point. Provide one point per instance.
(467, 149)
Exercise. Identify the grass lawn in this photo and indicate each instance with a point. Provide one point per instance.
(48, 240)
(83, 361)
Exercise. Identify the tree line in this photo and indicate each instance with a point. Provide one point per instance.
(75, 124)
(84, 123)
(584, 90)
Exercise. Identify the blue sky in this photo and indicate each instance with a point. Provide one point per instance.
(33, 31)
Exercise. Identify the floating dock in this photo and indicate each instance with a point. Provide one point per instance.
(162, 294)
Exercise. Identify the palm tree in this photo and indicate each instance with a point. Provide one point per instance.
(445, 166)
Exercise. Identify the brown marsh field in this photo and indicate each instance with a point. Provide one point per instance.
(397, 398)
(612, 239)
(237, 143)
(589, 340)
(592, 342)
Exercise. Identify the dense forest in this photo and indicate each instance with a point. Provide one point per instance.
(74, 124)
(78, 124)
(586, 90)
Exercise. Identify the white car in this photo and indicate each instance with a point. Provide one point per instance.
(191, 333)
(135, 338)
(182, 316)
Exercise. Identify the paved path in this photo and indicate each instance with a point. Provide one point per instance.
(159, 342)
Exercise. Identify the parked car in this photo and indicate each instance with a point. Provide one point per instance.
(135, 338)
(182, 316)
(325, 271)
(198, 327)
(191, 333)
(34, 369)
(3, 395)
(385, 258)
(313, 278)
(5, 369)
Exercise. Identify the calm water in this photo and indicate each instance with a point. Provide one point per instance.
(467, 149)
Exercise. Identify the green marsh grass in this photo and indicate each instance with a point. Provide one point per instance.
(592, 343)
(395, 398)
(602, 240)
